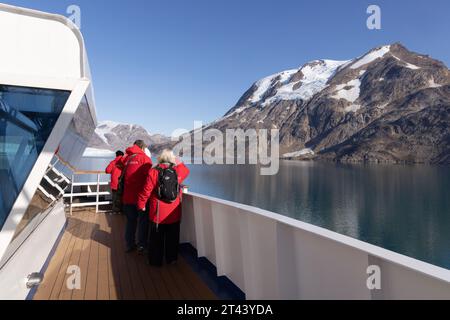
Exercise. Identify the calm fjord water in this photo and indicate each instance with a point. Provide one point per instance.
(401, 208)
(405, 209)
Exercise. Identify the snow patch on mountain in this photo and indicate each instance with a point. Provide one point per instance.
(268, 82)
(315, 77)
(346, 64)
(302, 152)
(236, 111)
(411, 66)
(352, 108)
(371, 56)
(407, 64)
(348, 91)
(432, 84)
(384, 105)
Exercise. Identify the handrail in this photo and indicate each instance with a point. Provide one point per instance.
(400, 259)
(76, 170)
(81, 172)
(300, 260)
(97, 193)
(66, 163)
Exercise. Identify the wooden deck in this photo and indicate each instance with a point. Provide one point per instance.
(95, 243)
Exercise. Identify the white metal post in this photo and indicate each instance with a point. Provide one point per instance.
(98, 193)
(71, 192)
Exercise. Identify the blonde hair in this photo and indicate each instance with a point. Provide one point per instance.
(167, 156)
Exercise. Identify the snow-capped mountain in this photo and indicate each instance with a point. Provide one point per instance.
(296, 84)
(114, 136)
(389, 104)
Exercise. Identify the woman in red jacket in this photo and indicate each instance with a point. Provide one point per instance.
(115, 171)
(164, 216)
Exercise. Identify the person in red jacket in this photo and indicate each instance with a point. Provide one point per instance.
(135, 164)
(164, 217)
(115, 171)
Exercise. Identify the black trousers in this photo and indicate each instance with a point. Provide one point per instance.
(163, 241)
(115, 206)
(136, 221)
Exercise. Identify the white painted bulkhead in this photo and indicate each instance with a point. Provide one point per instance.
(270, 256)
(40, 50)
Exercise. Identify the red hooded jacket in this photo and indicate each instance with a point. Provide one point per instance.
(135, 164)
(115, 172)
(168, 212)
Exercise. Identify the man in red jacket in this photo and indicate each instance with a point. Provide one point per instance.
(115, 171)
(135, 164)
(164, 217)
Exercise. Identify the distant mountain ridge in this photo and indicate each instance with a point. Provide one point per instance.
(114, 136)
(389, 105)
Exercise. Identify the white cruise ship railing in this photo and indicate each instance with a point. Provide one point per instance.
(93, 189)
(270, 256)
(90, 189)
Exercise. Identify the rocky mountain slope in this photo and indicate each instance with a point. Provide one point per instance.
(389, 105)
(117, 136)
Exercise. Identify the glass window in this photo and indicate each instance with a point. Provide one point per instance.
(27, 117)
(56, 179)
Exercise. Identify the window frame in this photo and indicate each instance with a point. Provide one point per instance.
(78, 89)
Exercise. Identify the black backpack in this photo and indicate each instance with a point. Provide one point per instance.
(168, 186)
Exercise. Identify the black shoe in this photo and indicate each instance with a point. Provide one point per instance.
(140, 250)
(130, 249)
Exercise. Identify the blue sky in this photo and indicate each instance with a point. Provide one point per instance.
(164, 64)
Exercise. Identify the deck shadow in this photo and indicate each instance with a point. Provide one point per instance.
(94, 242)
